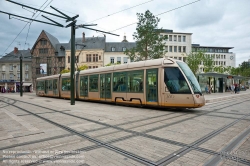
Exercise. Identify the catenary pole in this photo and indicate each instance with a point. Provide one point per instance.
(72, 65)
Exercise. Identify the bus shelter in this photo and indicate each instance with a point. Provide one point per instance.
(218, 82)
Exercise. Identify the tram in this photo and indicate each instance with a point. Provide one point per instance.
(161, 82)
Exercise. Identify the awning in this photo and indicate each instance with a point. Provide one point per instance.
(27, 84)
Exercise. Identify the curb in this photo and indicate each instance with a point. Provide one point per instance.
(224, 98)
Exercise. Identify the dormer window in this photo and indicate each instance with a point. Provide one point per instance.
(112, 48)
(124, 48)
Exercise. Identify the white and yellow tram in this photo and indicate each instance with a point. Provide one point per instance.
(160, 82)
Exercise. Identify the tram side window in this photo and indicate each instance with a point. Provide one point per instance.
(50, 85)
(135, 81)
(55, 84)
(84, 86)
(175, 81)
(93, 83)
(119, 82)
(65, 84)
(40, 85)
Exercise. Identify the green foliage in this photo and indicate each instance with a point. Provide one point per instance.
(110, 64)
(242, 70)
(65, 71)
(208, 63)
(83, 67)
(193, 60)
(149, 43)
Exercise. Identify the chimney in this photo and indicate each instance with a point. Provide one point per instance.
(83, 37)
(15, 50)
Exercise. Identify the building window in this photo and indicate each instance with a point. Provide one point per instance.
(184, 49)
(166, 48)
(167, 37)
(26, 75)
(184, 38)
(175, 48)
(18, 75)
(225, 63)
(125, 59)
(170, 37)
(43, 51)
(95, 67)
(88, 58)
(3, 76)
(180, 58)
(112, 59)
(118, 59)
(49, 71)
(77, 59)
(18, 67)
(170, 48)
(179, 48)
(95, 57)
(112, 48)
(179, 38)
(123, 48)
(175, 37)
(68, 59)
(26, 67)
(43, 42)
(11, 67)
(89, 67)
(37, 60)
(60, 59)
(37, 70)
(11, 76)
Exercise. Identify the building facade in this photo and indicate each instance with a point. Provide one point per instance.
(178, 44)
(48, 56)
(89, 51)
(114, 52)
(221, 55)
(10, 71)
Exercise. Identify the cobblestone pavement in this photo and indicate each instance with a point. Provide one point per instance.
(49, 131)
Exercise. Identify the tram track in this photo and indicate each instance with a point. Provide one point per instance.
(155, 138)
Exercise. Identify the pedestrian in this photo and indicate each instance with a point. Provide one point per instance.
(235, 89)
(232, 88)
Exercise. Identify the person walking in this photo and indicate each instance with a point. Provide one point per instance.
(232, 88)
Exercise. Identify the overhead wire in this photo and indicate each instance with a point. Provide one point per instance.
(158, 14)
(23, 28)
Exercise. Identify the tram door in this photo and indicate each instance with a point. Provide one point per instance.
(46, 89)
(105, 84)
(152, 86)
(84, 86)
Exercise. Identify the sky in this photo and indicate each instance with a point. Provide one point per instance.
(221, 23)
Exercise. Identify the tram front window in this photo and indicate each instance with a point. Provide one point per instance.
(191, 78)
(175, 81)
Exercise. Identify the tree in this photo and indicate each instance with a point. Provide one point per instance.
(194, 59)
(149, 43)
(208, 63)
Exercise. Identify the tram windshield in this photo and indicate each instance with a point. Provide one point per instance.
(191, 78)
(175, 81)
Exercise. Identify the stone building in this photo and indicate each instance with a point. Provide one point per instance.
(10, 71)
(114, 51)
(88, 51)
(48, 56)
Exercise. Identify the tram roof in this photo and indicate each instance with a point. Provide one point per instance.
(155, 62)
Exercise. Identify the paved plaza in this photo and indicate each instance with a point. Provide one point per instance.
(49, 131)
